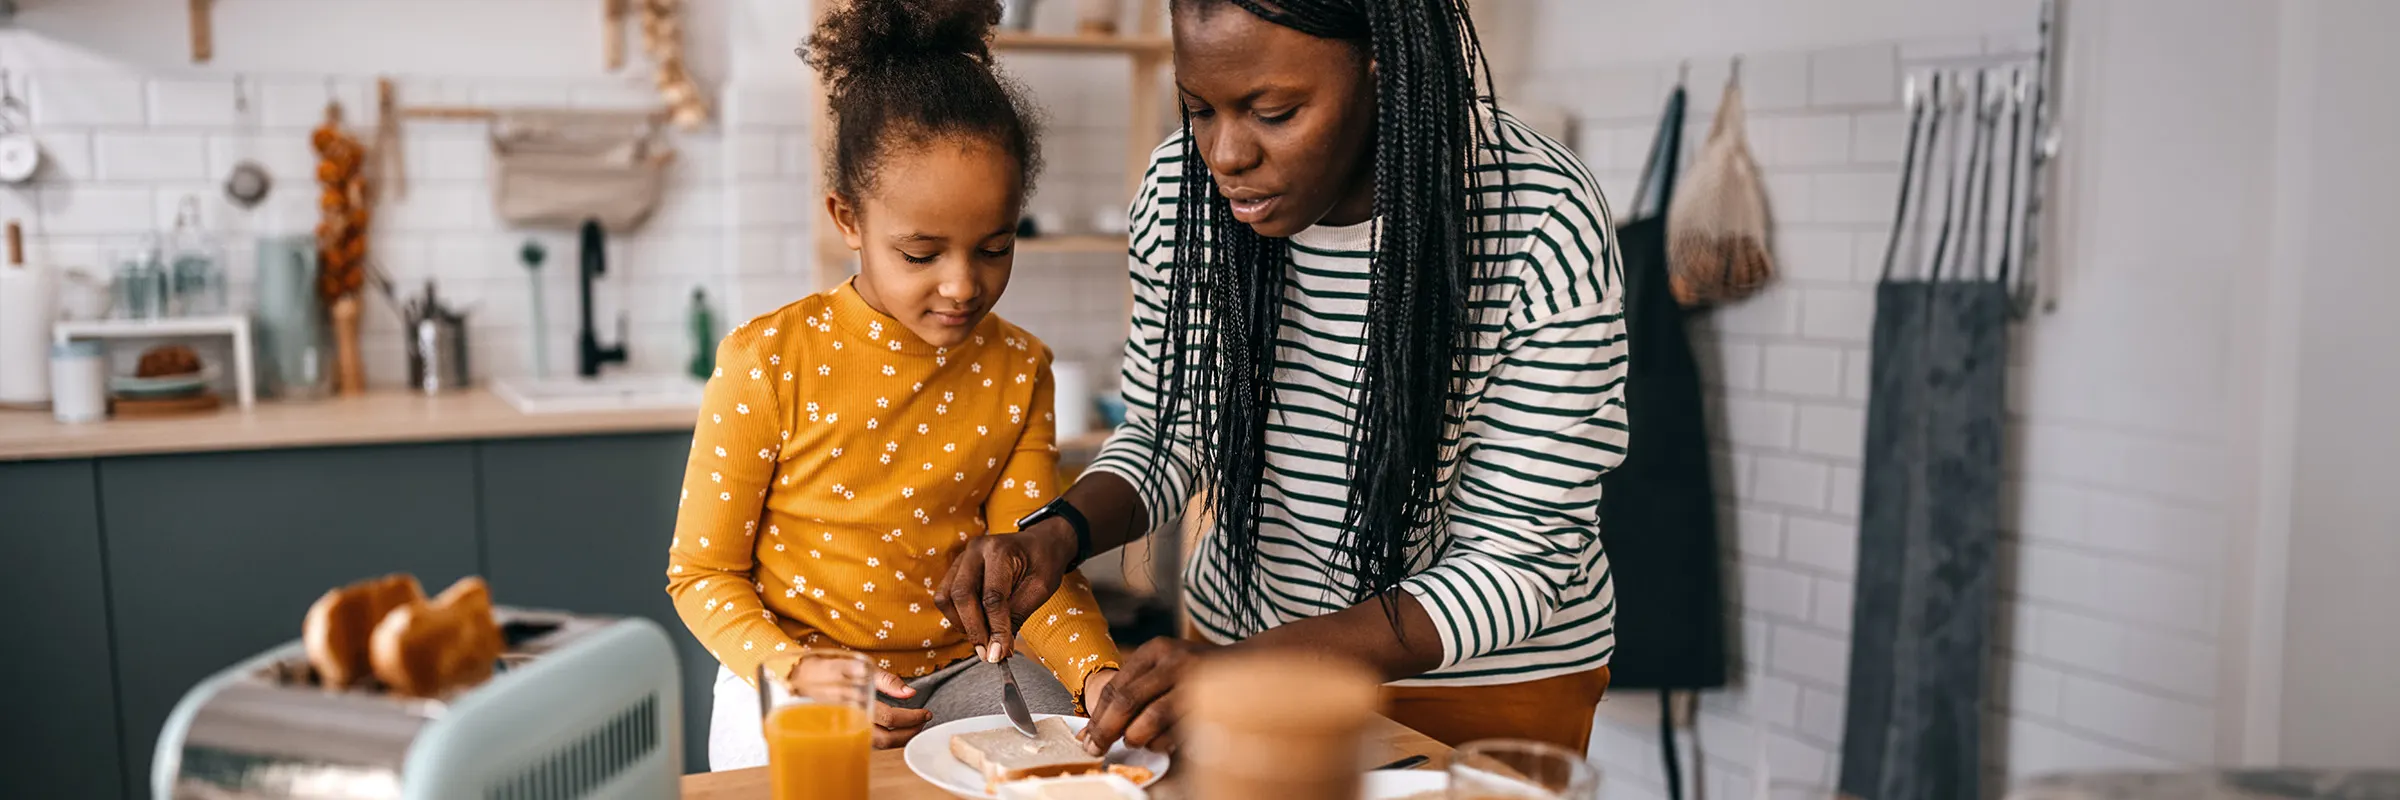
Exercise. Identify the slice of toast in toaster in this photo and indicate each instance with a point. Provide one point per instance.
(1002, 754)
(337, 627)
(430, 649)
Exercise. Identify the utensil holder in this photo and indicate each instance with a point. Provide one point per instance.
(437, 355)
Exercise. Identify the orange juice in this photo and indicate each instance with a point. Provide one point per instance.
(817, 752)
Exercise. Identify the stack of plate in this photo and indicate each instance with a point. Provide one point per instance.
(164, 394)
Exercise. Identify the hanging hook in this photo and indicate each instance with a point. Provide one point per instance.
(241, 96)
(1736, 79)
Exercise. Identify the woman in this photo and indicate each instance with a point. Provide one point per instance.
(1378, 328)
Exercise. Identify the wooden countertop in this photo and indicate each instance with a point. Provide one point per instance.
(373, 418)
(391, 417)
(888, 777)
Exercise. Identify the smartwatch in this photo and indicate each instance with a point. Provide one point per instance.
(1061, 509)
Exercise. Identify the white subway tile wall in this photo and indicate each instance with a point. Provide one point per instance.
(2106, 653)
(124, 150)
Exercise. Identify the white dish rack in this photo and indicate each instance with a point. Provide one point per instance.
(234, 326)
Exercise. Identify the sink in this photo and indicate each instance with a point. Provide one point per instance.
(610, 393)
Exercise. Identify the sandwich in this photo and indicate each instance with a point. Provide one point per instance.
(1003, 754)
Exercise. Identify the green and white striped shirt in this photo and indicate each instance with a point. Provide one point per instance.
(1517, 584)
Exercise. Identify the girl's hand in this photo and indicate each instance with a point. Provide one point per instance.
(1093, 685)
(1139, 705)
(894, 726)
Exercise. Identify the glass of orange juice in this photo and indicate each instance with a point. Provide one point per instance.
(817, 739)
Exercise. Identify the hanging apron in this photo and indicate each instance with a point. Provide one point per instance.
(1658, 511)
(1929, 518)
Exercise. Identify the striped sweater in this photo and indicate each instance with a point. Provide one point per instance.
(1517, 583)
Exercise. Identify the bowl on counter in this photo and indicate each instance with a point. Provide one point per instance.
(1112, 409)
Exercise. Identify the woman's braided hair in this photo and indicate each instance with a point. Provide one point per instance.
(1227, 291)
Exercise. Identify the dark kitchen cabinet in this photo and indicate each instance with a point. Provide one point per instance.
(58, 705)
(582, 525)
(215, 557)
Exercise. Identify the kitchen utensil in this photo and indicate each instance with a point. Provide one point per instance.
(587, 701)
(531, 255)
(291, 320)
(350, 372)
(1012, 700)
(78, 381)
(817, 744)
(248, 182)
(928, 755)
(1517, 768)
(194, 265)
(28, 304)
(20, 154)
(145, 407)
(1410, 762)
(437, 354)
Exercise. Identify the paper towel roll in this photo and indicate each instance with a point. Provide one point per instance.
(1073, 390)
(28, 304)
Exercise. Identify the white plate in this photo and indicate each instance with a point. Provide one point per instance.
(929, 756)
(1393, 784)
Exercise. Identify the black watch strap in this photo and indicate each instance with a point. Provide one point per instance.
(1062, 509)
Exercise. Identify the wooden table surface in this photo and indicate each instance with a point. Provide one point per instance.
(889, 778)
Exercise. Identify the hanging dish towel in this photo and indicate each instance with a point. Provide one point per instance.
(1717, 226)
(559, 168)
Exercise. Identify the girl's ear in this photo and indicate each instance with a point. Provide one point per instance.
(845, 217)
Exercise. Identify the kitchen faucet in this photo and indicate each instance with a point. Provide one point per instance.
(589, 355)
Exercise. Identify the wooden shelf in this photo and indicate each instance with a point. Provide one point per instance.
(1054, 43)
(1072, 244)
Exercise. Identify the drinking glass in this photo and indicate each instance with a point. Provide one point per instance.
(817, 741)
(1511, 769)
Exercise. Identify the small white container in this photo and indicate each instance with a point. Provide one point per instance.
(1040, 788)
(1071, 390)
(78, 381)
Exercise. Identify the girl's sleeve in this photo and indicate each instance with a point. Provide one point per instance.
(735, 445)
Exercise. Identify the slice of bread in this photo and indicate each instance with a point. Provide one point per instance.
(337, 627)
(432, 649)
(1002, 754)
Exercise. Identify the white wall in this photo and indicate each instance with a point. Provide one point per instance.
(2342, 649)
(2125, 636)
(131, 128)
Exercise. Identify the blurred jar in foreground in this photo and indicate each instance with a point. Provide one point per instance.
(1275, 725)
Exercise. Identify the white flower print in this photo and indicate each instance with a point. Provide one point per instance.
(945, 623)
(828, 535)
(849, 495)
(787, 375)
(717, 418)
(675, 569)
(977, 367)
(712, 604)
(941, 408)
(895, 345)
(919, 386)
(1020, 378)
(1074, 612)
(746, 645)
(991, 462)
(718, 373)
(886, 458)
(812, 322)
(703, 541)
(862, 605)
(958, 477)
(884, 635)
(949, 447)
(926, 643)
(837, 613)
(871, 424)
(891, 447)
(824, 370)
(888, 371)
(837, 452)
(871, 561)
(815, 592)
(725, 496)
(837, 345)
(899, 576)
(775, 359)
(870, 586)
(837, 417)
(979, 340)
(940, 360)
(741, 408)
(1053, 619)
(779, 547)
(874, 326)
(703, 584)
(756, 373)
(922, 428)
(770, 331)
(716, 477)
(720, 452)
(1013, 411)
(1030, 492)
(1074, 636)
(908, 491)
(1009, 484)
(882, 402)
(779, 647)
(812, 406)
(815, 554)
(981, 430)
(929, 466)
(837, 488)
(987, 383)
(787, 436)
(766, 453)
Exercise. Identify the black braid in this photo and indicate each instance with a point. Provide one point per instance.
(1227, 291)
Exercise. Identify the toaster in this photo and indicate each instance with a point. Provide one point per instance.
(579, 707)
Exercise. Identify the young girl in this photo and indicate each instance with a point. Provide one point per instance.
(853, 441)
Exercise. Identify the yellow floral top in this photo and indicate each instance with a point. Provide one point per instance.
(838, 464)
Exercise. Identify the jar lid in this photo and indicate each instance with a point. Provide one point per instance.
(76, 348)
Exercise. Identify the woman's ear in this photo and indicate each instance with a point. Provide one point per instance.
(845, 217)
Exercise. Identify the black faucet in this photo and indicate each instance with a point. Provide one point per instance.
(589, 355)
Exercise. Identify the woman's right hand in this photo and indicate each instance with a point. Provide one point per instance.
(998, 580)
(894, 725)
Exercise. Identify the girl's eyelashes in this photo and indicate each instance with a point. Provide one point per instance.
(998, 252)
(917, 259)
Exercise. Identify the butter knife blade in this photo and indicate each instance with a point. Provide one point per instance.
(1013, 701)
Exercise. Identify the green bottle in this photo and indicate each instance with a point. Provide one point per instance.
(704, 336)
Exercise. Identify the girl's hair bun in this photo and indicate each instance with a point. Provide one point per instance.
(860, 37)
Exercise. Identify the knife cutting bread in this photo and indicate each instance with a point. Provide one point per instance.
(386, 628)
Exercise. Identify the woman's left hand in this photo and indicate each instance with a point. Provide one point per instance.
(1139, 705)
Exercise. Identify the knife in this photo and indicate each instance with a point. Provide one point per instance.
(1013, 702)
